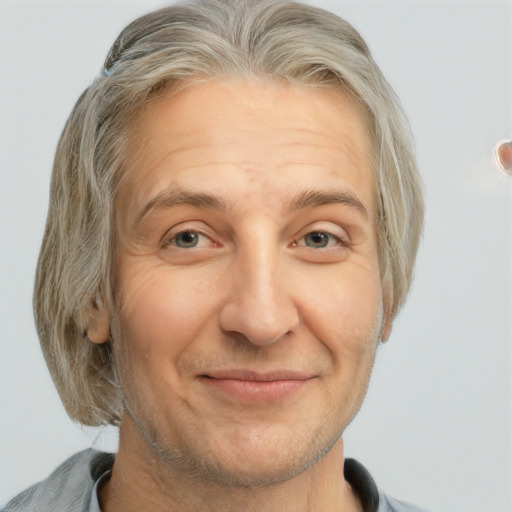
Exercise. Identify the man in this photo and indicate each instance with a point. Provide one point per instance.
(234, 217)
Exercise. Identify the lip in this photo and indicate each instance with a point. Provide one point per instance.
(251, 386)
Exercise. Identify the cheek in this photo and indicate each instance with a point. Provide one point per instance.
(160, 316)
(344, 309)
(160, 313)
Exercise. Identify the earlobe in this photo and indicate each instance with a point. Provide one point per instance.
(386, 330)
(98, 328)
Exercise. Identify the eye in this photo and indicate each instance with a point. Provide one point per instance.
(186, 244)
(186, 239)
(319, 239)
(322, 245)
(189, 239)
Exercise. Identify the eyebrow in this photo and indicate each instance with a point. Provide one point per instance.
(305, 199)
(313, 198)
(169, 199)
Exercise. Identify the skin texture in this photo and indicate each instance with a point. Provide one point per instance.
(249, 303)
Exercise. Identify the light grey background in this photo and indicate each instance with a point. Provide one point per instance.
(436, 426)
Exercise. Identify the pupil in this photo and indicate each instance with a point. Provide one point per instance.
(317, 239)
(187, 239)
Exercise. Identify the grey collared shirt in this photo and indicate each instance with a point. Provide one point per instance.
(73, 487)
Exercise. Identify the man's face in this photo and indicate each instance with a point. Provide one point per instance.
(248, 292)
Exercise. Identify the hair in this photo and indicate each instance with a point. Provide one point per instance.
(198, 40)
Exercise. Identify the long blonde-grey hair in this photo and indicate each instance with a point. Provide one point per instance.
(190, 41)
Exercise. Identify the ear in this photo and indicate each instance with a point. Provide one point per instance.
(385, 332)
(98, 328)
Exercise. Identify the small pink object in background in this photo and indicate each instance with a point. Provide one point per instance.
(504, 155)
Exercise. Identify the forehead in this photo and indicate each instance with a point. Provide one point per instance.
(239, 131)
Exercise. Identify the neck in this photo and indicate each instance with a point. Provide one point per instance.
(141, 480)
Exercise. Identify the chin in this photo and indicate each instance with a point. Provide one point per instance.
(260, 461)
(253, 472)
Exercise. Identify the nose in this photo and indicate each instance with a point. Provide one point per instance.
(259, 305)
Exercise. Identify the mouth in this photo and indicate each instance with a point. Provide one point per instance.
(250, 386)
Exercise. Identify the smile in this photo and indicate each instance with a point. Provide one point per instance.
(257, 387)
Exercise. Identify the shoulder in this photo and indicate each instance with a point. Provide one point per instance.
(68, 488)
